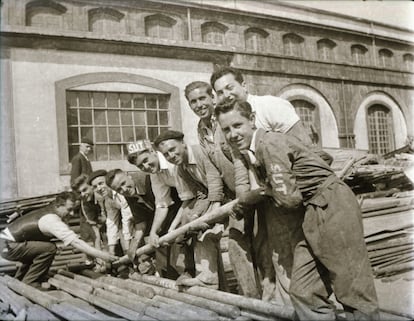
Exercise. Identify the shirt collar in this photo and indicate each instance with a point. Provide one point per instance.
(84, 155)
(191, 157)
(253, 142)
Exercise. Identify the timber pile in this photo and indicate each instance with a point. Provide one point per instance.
(91, 296)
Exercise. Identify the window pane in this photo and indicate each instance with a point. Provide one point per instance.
(100, 118)
(152, 118)
(163, 102)
(125, 100)
(139, 117)
(71, 99)
(113, 117)
(73, 135)
(101, 152)
(86, 132)
(128, 134)
(115, 152)
(140, 132)
(139, 101)
(112, 100)
(72, 117)
(114, 134)
(84, 99)
(98, 99)
(152, 133)
(85, 116)
(101, 135)
(126, 117)
(151, 102)
(163, 118)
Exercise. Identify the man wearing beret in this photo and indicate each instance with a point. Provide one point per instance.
(200, 188)
(167, 203)
(115, 208)
(80, 162)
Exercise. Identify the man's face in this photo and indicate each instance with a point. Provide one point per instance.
(228, 89)
(201, 102)
(85, 190)
(99, 186)
(174, 151)
(85, 148)
(67, 209)
(148, 162)
(237, 129)
(123, 184)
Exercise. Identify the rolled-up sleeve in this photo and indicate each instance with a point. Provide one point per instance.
(52, 224)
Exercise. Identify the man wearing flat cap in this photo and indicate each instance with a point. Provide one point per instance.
(200, 188)
(167, 203)
(80, 162)
(115, 208)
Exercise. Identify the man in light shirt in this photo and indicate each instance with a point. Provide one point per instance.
(28, 239)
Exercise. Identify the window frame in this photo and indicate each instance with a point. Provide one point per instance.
(53, 8)
(292, 45)
(385, 57)
(104, 11)
(157, 18)
(316, 115)
(390, 120)
(99, 78)
(216, 25)
(326, 49)
(357, 55)
(259, 41)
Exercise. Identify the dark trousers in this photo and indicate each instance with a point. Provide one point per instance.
(36, 258)
(333, 258)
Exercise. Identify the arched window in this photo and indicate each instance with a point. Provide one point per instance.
(326, 49)
(159, 26)
(213, 32)
(409, 62)
(358, 53)
(105, 20)
(309, 115)
(380, 129)
(292, 44)
(385, 58)
(45, 13)
(255, 39)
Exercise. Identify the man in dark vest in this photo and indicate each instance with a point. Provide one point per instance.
(28, 239)
(80, 162)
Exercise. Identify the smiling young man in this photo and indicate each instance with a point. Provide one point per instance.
(200, 187)
(28, 239)
(332, 255)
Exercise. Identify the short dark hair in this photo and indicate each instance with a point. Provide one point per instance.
(197, 84)
(81, 179)
(243, 107)
(132, 158)
(222, 71)
(62, 197)
(167, 135)
(109, 178)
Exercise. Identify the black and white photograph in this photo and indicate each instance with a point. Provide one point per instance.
(231, 160)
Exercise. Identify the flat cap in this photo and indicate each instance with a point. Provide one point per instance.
(169, 134)
(95, 174)
(86, 140)
(139, 146)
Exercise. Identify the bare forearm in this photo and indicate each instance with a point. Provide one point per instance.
(90, 250)
(159, 218)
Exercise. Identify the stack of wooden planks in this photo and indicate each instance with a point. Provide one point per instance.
(389, 232)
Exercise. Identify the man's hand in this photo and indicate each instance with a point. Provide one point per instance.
(108, 257)
(154, 240)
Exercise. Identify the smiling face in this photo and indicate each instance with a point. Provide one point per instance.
(123, 184)
(99, 186)
(228, 89)
(66, 209)
(201, 102)
(174, 151)
(148, 162)
(237, 129)
(86, 191)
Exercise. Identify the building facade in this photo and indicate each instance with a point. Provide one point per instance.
(115, 71)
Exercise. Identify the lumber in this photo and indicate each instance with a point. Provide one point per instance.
(211, 217)
(227, 310)
(396, 268)
(17, 302)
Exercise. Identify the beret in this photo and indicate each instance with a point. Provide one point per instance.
(169, 134)
(87, 140)
(139, 146)
(95, 174)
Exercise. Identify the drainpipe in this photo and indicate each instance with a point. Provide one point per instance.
(190, 36)
(373, 44)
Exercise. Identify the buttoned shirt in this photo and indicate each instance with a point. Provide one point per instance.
(273, 113)
(162, 181)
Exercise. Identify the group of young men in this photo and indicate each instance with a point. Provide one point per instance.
(295, 234)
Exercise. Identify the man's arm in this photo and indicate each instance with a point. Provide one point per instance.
(86, 248)
(112, 223)
(159, 218)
